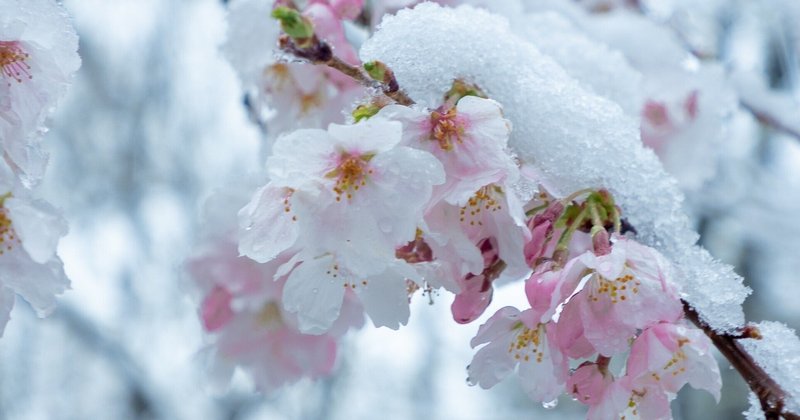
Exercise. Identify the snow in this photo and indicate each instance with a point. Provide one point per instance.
(575, 138)
(778, 352)
(600, 69)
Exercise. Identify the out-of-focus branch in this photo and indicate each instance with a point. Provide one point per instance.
(770, 120)
(769, 393)
(144, 398)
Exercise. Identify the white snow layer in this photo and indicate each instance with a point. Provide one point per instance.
(576, 138)
(778, 352)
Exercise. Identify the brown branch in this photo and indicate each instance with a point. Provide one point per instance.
(320, 53)
(768, 119)
(770, 394)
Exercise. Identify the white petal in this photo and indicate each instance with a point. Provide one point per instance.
(301, 159)
(266, 228)
(37, 283)
(314, 295)
(39, 227)
(496, 326)
(373, 135)
(6, 304)
(491, 364)
(385, 299)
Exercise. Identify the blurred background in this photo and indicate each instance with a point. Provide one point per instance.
(155, 122)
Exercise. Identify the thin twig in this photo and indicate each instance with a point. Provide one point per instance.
(769, 393)
(768, 119)
(320, 53)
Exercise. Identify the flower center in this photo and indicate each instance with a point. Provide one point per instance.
(484, 200)
(447, 129)
(351, 174)
(12, 61)
(7, 234)
(619, 289)
(527, 343)
(270, 316)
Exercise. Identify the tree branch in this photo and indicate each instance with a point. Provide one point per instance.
(770, 394)
(320, 53)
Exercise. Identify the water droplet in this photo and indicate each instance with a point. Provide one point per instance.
(550, 405)
(315, 290)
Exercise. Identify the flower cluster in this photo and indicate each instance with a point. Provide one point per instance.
(240, 308)
(357, 218)
(38, 57)
(594, 299)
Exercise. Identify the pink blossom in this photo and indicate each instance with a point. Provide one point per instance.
(352, 176)
(668, 356)
(470, 140)
(516, 342)
(344, 9)
(476, 291)
(328, 27)
(589, 382)
(339, 187)
(543, 235)
(609, 398)
(302, 95)
(38, 57)
(241, 310)
(608, 298)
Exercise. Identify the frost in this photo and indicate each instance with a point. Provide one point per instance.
(778, 352)
(754, 412)
(576, 139)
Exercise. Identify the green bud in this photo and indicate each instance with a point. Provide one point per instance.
(294, 24)
(365, 111)
(461, 89)
(376, 70)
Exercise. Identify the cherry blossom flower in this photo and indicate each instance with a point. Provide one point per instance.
(355, 174)
(29, 233)
(38, 57)
(469, 139)
(317, 287)
(626, 290)
(240, 308)
(339, 188)
(302, 95)
(614, 398)
(517, 342)
(344, 9)
(668, 356)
